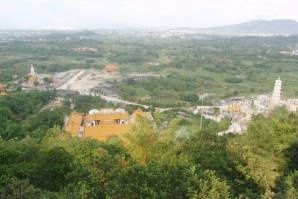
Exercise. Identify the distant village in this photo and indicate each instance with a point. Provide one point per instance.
(108, 33)
(82, 82)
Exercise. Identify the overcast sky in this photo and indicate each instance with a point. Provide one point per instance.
(39, 14)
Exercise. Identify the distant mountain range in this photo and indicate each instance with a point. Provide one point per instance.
(257, 27)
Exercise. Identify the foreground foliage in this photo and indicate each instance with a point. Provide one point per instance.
(153, 161)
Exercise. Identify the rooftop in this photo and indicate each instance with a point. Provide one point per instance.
(235, 108)
(74, 123)
(65, 91)
(60, 75)
(111, 67)
(2, 93)
(101, 132)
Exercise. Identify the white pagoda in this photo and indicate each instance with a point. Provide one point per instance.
(275, 100)
(32, 72)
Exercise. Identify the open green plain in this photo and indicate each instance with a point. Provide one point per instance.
(255, 61)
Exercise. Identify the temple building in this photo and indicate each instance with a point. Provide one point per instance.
(111, 69)
(74, 123)
(267, 102)
(99, 124)
(235, 108)
(2, 86)
(33, 75)
(32, 79)
(63, 76)
(2, 93)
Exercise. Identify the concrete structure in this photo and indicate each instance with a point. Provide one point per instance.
(106, 89)
(66, 92)
(126, 77)
(33, 75)
(60, 76)
(275, 100)
(32, 72)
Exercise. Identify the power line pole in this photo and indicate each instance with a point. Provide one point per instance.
(202, 111)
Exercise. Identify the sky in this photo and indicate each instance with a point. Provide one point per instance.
(96, 14)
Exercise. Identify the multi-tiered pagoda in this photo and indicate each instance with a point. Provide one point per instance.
(275, 100)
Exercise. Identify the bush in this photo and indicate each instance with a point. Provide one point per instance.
(233, 80)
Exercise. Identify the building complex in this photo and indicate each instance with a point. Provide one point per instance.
(100, 124)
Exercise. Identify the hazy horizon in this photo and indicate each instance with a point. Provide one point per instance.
(92, 14)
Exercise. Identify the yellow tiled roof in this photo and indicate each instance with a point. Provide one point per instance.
(3, 85)
(2, 93)
(74, 123)
(107, 125)
(138, 111)
(144, 114)
(32, 79)
(102, 132)
(235, 108)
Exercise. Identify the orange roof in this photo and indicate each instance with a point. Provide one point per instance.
(3, 85)
(74, 123)
(32, 79)
(111, 67)
(2, 93)
(102, 132)
(107, 116)
(235, 108)
(144, 114)
(138, 111)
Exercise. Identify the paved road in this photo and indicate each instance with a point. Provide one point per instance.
(72, 80)
(112, 99)
(49, 106)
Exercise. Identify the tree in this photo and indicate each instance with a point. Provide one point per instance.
(262, 147)
(224, 124)
(36, 83)
(233, 80)
(5, 116)
(130, 82)
(81, 190)
(155, 180)
(216, 110)
(51, 168)
(210, 187)
(48, 80)
(158, 118)
(48, 118)
(141, 139)
(16, 188)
